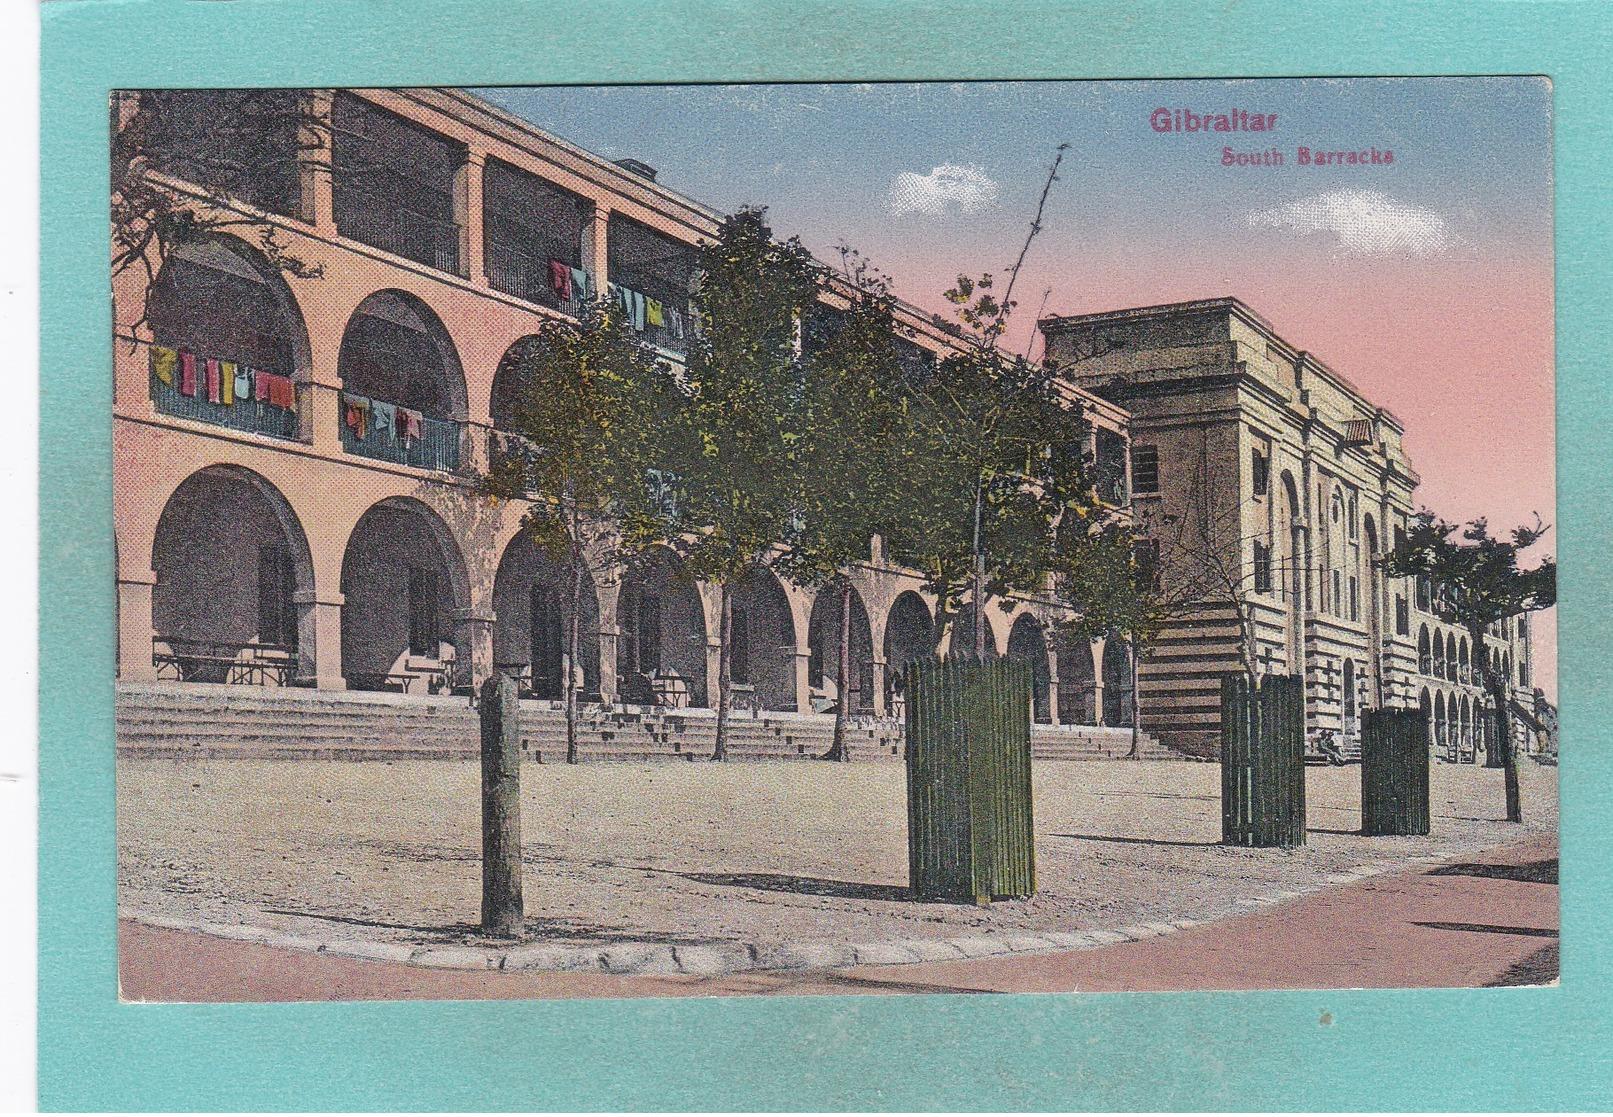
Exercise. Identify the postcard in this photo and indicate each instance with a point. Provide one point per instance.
(602, 541)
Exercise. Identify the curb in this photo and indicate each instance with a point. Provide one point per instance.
(716, 959)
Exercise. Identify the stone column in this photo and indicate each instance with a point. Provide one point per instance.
(595, 234)
(1098, 648)
(1053, 683)
(609, 643)
(473, 647)
(134, 629)
(879, 686)
(319, 639)
(713, 668)
(469, 212)
(803, 679)
(320, 415)
(315, 171)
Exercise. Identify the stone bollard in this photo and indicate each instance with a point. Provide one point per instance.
(502, 911)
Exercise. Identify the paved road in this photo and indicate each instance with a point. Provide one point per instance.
(1490, 918)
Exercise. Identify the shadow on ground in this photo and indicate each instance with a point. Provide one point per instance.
(1531, 872)
(1133, 841)
(805, 886)
(537, 930)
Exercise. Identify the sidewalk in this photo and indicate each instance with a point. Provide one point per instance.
(1487, 918)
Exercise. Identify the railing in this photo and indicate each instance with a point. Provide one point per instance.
(525, 275)
(391, 227)
(256, 416)
(203, 661)
(436, 448)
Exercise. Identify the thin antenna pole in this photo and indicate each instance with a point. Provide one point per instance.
(1036, 227)
(1031, 344)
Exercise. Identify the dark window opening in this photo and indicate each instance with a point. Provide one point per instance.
(1260, 473)
(386, 360)
(1262, 568)
(1144, 469)
(238, 142)
(528, 223)
(1355, 598)
(1145, 553)
(657, 267)
(1402, 617)
(1111, 467)
(647, 630)
(393, 184)
(739, 645)
(277, 581)
(425, 611)
(548, 676)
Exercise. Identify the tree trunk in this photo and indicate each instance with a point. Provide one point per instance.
(573, 645)
(725, 682)
(838, 750)
(1504, 756)
(979, 594)
(1136, 708)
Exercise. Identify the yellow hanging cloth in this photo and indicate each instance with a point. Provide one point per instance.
(227, 369)
(163, 360)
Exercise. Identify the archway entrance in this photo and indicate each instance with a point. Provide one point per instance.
(1078, 686)
(909, 635)
(1026, 642)
(532, 621)
(230, 559)
(661, 659)
(823, 636)
(761, 657)
(1116, 682)
(403, 582)
(402, 386)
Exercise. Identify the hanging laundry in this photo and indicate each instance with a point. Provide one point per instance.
(243, 382)
(187, 373)
(623, 300)
(411, 423)
(384, 418)
(163, 362)
(215, 386)
(652, 313)
(283, 392)
(226, 385)
(260, 386)
(582, 287)
(638, 311)
(677, 323)
(560, 279)
(358, 416)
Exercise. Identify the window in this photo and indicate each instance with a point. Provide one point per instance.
(1425, 594)
(1144, 469)
(425, 616)
(1145, 553)
(1355, 516)
(547, 645)
(1260, 473)
(1111, 467)
(648, 630)
(1402, 616)
(1262, 568)
(1425, 654)
(277, 613)
(1338, 596)
(1355, 598)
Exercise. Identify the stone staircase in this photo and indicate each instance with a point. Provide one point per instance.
(199, 720)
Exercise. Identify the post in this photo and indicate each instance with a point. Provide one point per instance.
(1394, 772)
(503, 913)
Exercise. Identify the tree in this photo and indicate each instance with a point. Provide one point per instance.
(735, 451)
(236, 145)
(588, 424)
(1484, 585)
(851, 450)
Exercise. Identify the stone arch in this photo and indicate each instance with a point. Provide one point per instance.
(531, 619)
(1116, 681)
(1466, 721)
(505, 396)
(661, 658)
(395, 349)
(1078, 685)
(823, 637)
(1441, 736)
(220, 297)
(1450, 656)
(234, 580)
(1027, 641)
(909, 635)
(963, 633)
(405, 590)
(762, 655)
(1439, 655)
(1463, 668)
(1425, 652)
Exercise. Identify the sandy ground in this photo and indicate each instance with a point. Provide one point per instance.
(757, 852)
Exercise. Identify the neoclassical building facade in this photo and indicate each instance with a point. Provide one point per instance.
(306, 399)
(1257, 462)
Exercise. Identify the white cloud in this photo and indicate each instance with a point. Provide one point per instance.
(951, 187)
(1366, 223)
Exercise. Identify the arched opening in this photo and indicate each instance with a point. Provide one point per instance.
(508, 388)
(228, 339)
(1441, 739)
(1450, 656)
(1116, 681)
(661, 659)
(402, 385)
(1464, 675)
(1506, 668)
(823, 636)
(1026, 642)
(963, 634)
(761, 658)
(909, 635)
(403, 582)
(1439, 655)
(1375, 616)
(1425, 652)
(1425, 704)
(1466, 722)
(231, 560)
(532, 620)
(1078, 686)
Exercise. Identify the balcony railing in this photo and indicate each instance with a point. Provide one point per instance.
(436, 446)
(524, 274)
(392, 227)
(256, 416)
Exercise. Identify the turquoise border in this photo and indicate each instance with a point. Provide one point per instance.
(1529, 1049)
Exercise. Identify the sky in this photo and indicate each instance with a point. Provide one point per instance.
(1427, 280)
